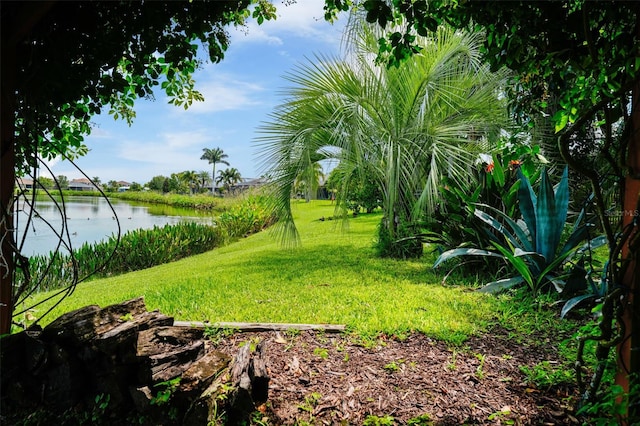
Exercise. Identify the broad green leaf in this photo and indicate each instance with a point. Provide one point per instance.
(518, 263)
(501, 285)
(498, 172)
(547, 232)
(562, 201)
(525, 240)
(573, 302)
(450, 254)
(484, 217)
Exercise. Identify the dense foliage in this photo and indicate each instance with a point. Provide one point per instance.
(577, 62)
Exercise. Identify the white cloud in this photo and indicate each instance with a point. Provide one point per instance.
(304, 19)
(175, 149)
(224, 94)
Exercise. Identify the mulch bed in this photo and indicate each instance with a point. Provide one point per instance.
(328, 379)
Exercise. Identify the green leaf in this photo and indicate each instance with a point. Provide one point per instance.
(550, 221)
(561, 119)
(573, 302)
(562, 199)
(524, 240)
(498, 172)
(518, 263)
(501, 285)
(450, 254)
(527, 201)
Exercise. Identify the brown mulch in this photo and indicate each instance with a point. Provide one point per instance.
(328, 379)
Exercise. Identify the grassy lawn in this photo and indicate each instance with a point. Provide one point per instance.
(333, 277)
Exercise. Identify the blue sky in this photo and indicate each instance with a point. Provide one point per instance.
(239, 94)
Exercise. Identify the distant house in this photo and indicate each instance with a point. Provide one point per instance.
(24, 183)
(123, 186)
(82, 185)
(248, 184)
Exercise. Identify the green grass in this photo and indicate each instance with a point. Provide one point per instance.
(333, 277)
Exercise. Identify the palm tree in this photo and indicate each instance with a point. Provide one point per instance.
(410, 125)
(214, 156)
(228, 177)
(190, 178)
(203, 180)
(308, 180)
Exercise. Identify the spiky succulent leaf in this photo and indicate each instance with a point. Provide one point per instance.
(573, 302)
(501, 285)
(524, 239)
(450, 254)
(527, 201)
(547, 220)
(492, 222)
(562, 200)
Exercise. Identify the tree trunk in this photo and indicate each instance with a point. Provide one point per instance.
(7, 182)
(628, 374)
(27, 18)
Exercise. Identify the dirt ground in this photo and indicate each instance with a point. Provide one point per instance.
(331, 379)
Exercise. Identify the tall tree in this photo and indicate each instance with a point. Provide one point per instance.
(62, 182)
(579, 61)
(62, 62)
(214, 156)
(203, 180)
(190, 178)
(409, 125)
(308, 180)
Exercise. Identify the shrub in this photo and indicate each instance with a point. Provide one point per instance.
(144, 248)
(138, 249)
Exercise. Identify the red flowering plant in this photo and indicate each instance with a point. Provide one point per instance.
(496, 184)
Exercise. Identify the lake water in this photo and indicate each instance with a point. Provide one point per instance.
(91, 219)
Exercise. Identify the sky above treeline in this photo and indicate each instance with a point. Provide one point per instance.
(240, 92)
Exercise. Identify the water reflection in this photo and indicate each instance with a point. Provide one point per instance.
(90, 219)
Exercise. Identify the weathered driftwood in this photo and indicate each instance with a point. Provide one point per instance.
(144, 363)
(262, 326)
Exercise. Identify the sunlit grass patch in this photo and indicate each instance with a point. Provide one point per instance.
(332, 277)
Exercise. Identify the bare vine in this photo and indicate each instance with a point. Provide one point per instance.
(24, 284)
(611, 328)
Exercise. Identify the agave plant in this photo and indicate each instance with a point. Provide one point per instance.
(532, 245)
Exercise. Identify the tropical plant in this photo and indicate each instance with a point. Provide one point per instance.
(574, 61)
(214, 156)
(532, 245)
(410, 125)
(128, 49)
(190, 179)
(495, 183)
(228, 177)
(203, 180)
(361, 193)
(308, 181)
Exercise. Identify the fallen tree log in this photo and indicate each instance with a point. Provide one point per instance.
(262, 326)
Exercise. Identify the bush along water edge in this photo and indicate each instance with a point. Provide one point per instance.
(144, 248)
